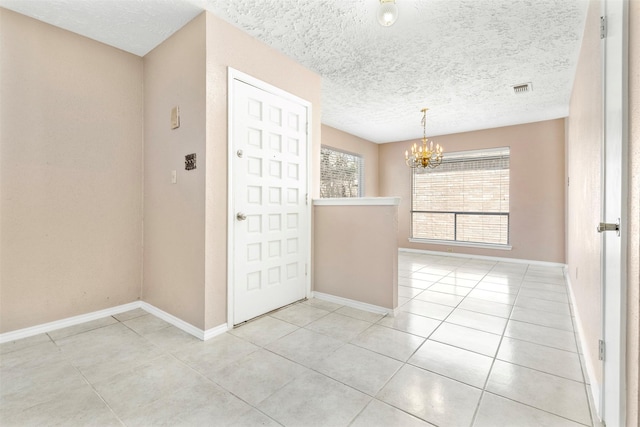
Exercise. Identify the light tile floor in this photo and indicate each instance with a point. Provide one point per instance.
(476, 343)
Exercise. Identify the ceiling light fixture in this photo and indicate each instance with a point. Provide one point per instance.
(424, 156)
(387, 12)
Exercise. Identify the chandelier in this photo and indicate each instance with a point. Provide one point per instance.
(424, 156)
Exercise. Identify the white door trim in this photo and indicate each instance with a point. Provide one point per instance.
(233, 74)
(614, 277)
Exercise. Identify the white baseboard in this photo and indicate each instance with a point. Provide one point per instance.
(181, 324)
(354, 304)
(484, 257)
(69, 321)
(215, 331)
(594, 386)
(76, 320)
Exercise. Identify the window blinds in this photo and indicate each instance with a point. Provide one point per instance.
(340, 174)
(465, 199)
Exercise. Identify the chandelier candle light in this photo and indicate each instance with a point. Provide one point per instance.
(424, 156)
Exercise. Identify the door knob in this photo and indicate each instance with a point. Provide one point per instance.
(240, 216)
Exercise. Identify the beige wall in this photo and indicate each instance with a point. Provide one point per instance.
(70, 174)
(584, 130)
(537, 210)
(174, 214)
(633, 255)
(357, 259)
(334, 138)
(75, 131)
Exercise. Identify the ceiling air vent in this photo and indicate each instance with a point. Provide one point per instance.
(522, 88)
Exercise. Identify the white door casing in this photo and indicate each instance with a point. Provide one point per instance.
(269, 215)
(614, 210)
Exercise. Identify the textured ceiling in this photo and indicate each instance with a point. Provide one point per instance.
(457, 57)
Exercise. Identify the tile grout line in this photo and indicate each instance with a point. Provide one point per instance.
(442, 322)
(520, 287)
(500, 343)
(344, 344)
(86, 380)
(486, 382)
(308, 368)
(207, 379)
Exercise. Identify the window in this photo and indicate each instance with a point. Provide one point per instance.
(341, 174)
(465, 199)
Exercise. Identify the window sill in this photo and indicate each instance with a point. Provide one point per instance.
(463, 244)
(358, 201)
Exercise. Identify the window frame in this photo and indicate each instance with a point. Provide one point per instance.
(361, 165)
(487, 245)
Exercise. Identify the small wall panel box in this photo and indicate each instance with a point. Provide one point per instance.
(190, 161)
(175, 117)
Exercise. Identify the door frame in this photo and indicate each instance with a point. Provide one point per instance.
(612, 404)
(232, 75)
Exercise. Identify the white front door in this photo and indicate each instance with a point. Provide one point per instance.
(270, 214)
(615, 187)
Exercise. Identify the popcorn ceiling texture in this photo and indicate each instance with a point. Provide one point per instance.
(457, 57)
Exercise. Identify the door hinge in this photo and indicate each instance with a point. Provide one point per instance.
(305, 269)
(603, 27)
(601, 350)
(306, 199)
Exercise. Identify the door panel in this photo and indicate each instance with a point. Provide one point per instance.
(615, 187)
(269, 166)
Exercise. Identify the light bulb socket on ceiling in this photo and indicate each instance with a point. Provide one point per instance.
(387, 12)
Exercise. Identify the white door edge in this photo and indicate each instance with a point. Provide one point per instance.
(232, 75)
(612, 405)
